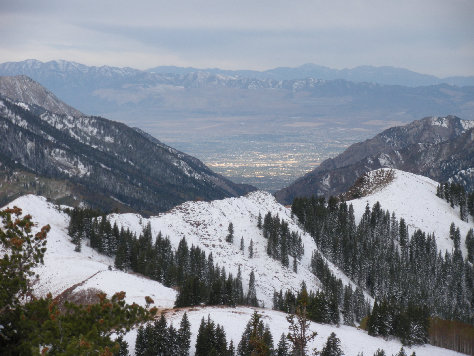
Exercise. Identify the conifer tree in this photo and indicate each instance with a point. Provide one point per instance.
(401, 352)
(184, 336)
(252, 292)
(251, 249)
(123, 347)
(211, 339)
(470, 245)
(256, 338)
(231, 350)
(242, 247)
(332, 347)
(230, 236)
(282, 348)
(140, 342)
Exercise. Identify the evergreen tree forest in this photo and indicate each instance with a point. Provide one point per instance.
(456, 195)
(198, 279)
(211, 340)
(325, 306)
(34, 326)
(410, 324)
(281, 242)
(160, 339)
(256, 338)
(381, 258)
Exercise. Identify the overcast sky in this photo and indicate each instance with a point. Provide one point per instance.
(427, 36)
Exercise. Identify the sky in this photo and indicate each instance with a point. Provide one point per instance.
(427, 36)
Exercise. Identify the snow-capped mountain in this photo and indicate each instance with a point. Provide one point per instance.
(437, 147)
(101, 157)
(413, 198)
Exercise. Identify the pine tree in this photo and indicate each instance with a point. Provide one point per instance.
(231, 350)
(333, 346)
(140, 342)
(242, 247)
(160, 336)
(379, 352)
(259, 220)
(173, 343)
(283, 348)
(202, 340)
(184, 336)
(401, 352)
(123, 347)
(211, 339)
(256, 339)
(252, 292)
(230, 236)
(251, 249)
(470, 245)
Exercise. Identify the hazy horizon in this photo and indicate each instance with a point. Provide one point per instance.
(428, 37)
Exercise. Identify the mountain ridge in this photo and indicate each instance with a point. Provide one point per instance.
(106, 156)
(436, 147)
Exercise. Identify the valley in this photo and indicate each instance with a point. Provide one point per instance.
(269, 161)
(342, 225)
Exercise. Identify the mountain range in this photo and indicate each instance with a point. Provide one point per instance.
(184, 105)
(108, 164)
(382, 75)
(437, 147)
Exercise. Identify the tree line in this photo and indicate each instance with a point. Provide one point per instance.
(281, 242)
(198, 279)
(456, 195)
(381, 258)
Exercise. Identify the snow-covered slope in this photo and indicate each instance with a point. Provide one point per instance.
(64, 268)
(205, 224)
(413, 198)
(234, 320)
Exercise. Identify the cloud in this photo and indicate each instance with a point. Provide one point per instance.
(434, 36)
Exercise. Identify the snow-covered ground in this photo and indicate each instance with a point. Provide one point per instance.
(413, 198)
(205, 224)
(64, 268)
(234, 320)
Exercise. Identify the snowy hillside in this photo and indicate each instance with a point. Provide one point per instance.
(205, 224)
(413, 198)
(64, 268)
(234, 320)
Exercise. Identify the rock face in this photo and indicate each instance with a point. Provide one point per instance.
(439, 148)
(107, 159)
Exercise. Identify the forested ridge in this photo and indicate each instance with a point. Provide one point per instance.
(197, 277)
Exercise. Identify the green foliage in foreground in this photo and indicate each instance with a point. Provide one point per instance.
(30, 326)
